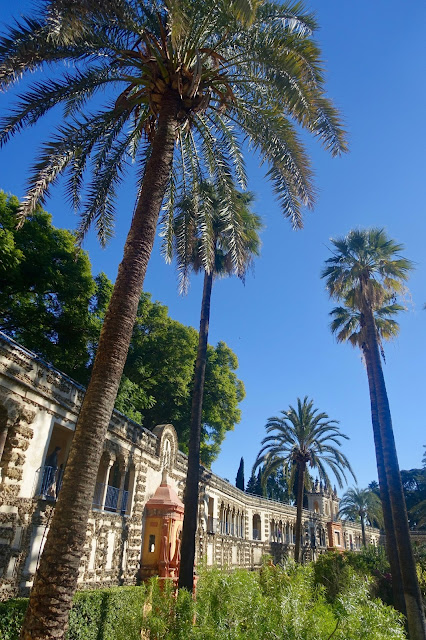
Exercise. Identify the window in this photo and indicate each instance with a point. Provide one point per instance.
(151, 544)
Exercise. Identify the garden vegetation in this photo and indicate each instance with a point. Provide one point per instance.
(332, 598)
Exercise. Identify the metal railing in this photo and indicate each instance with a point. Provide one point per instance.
(229, 529)
(256, 534)
(110, 498)
(48, 482)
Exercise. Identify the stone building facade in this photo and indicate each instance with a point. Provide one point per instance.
(38, 411)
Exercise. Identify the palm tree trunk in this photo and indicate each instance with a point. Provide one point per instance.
(186, 573)
(300, 486)
(364, 541)
(391, 546)
(56, 579)
(410, 585)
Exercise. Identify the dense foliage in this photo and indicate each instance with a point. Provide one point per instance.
(274, 487)
(46, 287)
(50, 302)
(414, 485)
(104, 614)
(334, 570)
(283, 603)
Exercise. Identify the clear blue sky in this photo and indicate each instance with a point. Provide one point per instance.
(278, 322)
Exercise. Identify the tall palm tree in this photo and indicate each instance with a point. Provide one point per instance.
(182, 83)
(362, 505)
(366, 272)
(209, 236)
(348, 326)
(298, 438)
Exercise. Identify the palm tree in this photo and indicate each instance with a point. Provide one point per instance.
(366, 272)
(362, 505)
(183, 75)
(207, 234)
(348, 326)
(298, 438)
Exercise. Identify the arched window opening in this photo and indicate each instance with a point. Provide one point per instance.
(50, 474)
(257, 527)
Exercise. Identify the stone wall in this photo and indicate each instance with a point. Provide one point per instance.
(38, 411)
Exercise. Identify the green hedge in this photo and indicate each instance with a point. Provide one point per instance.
(107, 614)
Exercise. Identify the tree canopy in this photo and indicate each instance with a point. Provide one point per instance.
(46, 287)
(50, 302)
(157, 381)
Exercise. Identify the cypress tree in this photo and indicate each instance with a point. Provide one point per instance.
(239, 480)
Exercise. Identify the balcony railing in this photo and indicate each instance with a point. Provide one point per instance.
(48, 483)
(110, 498)
(228, 529)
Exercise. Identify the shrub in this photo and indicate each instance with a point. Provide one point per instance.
(420, 557)
(279, 602)
(11, 615)
(332, 570)
(107, 614)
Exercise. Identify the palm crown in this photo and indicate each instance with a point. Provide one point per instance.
(348, 325)
(361, 504)
(235, 79)
(304, 435)
(208, 232)
(366, 269)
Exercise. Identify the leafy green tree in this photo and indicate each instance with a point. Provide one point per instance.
(57, 310)
(361, 505)
(273, 485)
(254, 485)
(219, 237)
(158, 378)
(276, 487)
(296, 439)
(365, 272)
(414, 484)
(239, 480)
(46, 287)
(192, 76)
(223, 392)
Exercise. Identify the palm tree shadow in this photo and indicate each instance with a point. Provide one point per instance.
(103, 617)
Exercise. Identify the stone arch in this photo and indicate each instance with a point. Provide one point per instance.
(167, 445)
(15, 436)
(257, 527)
(272, 530)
